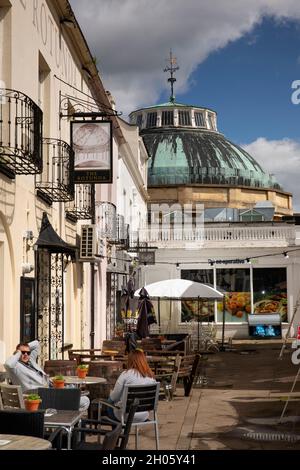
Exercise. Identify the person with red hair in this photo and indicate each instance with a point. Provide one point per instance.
(138, 373)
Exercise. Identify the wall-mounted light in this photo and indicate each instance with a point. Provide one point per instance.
(248, 260)
(286, 255)
(68, 22)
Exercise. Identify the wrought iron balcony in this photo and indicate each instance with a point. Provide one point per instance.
(122, 232)
(106, 217)
(81, 206)
(21, 122)
(55, 183)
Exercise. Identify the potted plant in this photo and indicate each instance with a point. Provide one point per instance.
(32, 402)
(58, 381)
(82, 370)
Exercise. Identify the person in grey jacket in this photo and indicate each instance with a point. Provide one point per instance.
(138, 373)
(23, 370)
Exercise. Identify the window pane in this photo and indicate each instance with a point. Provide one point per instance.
(199, 120)
(139, 120)
(167, 118)
(190, 308)
(236, 284)
(211, 122)
(184, 118)
(270, 291)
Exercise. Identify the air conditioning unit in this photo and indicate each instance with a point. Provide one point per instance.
(88, 242)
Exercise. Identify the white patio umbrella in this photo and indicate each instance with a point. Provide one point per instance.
(180, 289)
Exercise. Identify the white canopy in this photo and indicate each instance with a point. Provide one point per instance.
(180, 289)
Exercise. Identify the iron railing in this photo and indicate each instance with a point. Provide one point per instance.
(56, 181)
(106, 217)
(81, 206)
(21, 123)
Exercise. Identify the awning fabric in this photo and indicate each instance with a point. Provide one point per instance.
(50, 240)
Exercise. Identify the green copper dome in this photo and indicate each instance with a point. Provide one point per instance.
(189, 156)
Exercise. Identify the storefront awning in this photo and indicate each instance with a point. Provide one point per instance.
(50, 240)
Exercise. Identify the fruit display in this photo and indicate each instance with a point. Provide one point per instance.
(237, 304)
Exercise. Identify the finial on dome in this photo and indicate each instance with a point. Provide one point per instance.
(172, 69)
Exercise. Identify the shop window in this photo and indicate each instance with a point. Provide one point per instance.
(270, 291)
(192, 310)
(236, 284)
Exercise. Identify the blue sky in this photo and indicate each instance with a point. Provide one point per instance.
(249, 83)
(238, 57)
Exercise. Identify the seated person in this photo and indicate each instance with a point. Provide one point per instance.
(138, 373)
(23, 370)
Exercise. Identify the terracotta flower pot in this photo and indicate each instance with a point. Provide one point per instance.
(58, 383)
(81, 373)
(32, 405)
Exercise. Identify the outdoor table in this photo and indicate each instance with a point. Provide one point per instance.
(19, 442)
(111, 352)
(63, 419)
(73, 379)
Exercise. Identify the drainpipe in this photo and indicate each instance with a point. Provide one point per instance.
(92, 331)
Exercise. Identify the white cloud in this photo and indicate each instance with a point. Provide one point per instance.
(281, 158)
(131, 38)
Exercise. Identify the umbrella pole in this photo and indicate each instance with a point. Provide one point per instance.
(198, 335)
(222, 348)
(158, 313)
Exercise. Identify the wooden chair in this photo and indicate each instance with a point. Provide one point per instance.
(113, 345)
(60, 367)
(11, 397)
(150, 344)
(188, 370)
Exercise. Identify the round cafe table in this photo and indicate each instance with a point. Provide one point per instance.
(73, 379)
(16, 442)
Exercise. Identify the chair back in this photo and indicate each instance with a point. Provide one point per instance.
(11, 396)
(113, 345)
(111, 438)
(126, 431)
(22, 422)
(59, 367)
(151, 344)
(60, 399)
(146, 394)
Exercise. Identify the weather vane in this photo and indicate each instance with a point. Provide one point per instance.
(172, 69)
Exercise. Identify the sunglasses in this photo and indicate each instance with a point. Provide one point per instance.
(25, 352)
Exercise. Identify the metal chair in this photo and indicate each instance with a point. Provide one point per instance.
(148, 401)
(27, 423)
(11, 397)
(60, 399)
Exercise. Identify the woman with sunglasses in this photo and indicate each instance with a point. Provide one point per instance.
(23, 369)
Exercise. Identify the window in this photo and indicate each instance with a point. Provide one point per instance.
(270, 291)
(151, 119)
(236, 284)
(167, 118)
(191, 310)
(211, 121)
(184, 118)
(139, 120)
(199, 120)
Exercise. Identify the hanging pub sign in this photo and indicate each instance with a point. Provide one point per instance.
(147, 257)
(92, 145)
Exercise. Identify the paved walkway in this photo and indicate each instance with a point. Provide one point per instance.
(247, 383)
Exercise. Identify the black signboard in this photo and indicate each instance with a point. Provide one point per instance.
(92, 145)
